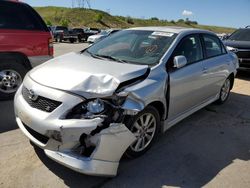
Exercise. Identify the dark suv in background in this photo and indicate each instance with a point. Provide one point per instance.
(239, 43)
(25, 41)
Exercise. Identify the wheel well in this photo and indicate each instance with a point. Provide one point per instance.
(159, 107)
(231, 76)
(17, 55)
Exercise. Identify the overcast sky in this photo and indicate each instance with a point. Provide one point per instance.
(230, 13)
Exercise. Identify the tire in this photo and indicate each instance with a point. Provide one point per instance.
(225, 91)
(12, 73)
(148, 133)
(79, 39)
(58, 38)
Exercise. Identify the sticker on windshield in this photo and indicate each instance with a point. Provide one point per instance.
(164, 34)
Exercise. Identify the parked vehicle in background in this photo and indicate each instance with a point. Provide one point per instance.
(239, 43)
(80, 32)
(25, 42)
(86, 109)
(223, 36)
(91, 31)
(103, 34)
(62, 33)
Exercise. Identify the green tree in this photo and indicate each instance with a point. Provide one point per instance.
(48, 22)
(180, 21)
(155, 18)
(98, 18)
(64, 22)
(130, 20)
(172, 21)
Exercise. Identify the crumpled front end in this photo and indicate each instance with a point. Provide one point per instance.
(56, 121)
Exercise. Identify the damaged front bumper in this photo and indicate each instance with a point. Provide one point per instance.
(67, 141)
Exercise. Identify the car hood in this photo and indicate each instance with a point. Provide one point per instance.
(238, 44)
(96, 36)
(84, 75)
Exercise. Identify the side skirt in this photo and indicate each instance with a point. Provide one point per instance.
(167, 124)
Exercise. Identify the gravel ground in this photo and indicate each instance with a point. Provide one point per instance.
(211, 148)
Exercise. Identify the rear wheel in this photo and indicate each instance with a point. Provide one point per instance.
(225, 91)
(12, 73)
(79, 38)
(145, 126)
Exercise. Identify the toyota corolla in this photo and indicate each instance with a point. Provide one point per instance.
(88, 109)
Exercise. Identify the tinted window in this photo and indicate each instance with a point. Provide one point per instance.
(190, 47)
(61, 28)
(19, 16)
(78, 30)
(241, 35)
(213, 46)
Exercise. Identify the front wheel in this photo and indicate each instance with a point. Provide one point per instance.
(71, 40)
(12, 73)
(145, 126)
(225, 91)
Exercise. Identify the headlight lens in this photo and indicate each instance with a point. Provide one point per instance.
(230, 48)
(96, 106)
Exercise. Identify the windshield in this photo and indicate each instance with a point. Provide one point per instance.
(134, 46)
(241, 35)
(78, 30)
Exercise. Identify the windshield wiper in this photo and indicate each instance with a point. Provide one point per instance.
(99, 56)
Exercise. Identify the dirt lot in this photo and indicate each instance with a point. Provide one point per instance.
(211, 148)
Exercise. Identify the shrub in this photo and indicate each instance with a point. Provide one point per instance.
(64, 22)
(48, 22)
(98, 18)
(130, 20)
(155, 18)
(180, 21)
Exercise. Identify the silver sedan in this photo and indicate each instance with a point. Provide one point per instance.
(88, 109)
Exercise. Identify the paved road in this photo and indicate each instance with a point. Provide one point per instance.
(62, 48)
(211, 148)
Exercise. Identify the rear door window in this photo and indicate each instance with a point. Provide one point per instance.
(213, 46)
(19, 16)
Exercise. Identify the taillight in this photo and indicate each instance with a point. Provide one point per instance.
(50, 46)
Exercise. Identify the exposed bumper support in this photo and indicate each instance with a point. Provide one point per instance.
(110, 144)
(84, 165)
(104, 161)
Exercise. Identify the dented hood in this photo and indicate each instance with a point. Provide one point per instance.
(85, 75)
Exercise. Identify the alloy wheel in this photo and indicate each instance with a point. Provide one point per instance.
(10, 80)
(225, 90)
(144, 129)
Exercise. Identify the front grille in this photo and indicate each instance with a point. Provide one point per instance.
(39, 102)
(36, 135)
(243, 53)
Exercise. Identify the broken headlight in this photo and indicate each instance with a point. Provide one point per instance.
(89, 109)
(95, 107)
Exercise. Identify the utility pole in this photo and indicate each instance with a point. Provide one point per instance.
(81, 3)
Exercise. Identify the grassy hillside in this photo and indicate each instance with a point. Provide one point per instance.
(77, 17)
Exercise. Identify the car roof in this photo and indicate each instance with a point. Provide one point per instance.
(172, 29)
(14, 1)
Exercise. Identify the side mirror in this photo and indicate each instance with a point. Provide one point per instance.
(180, 61)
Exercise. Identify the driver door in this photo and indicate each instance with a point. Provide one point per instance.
(186, 83)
